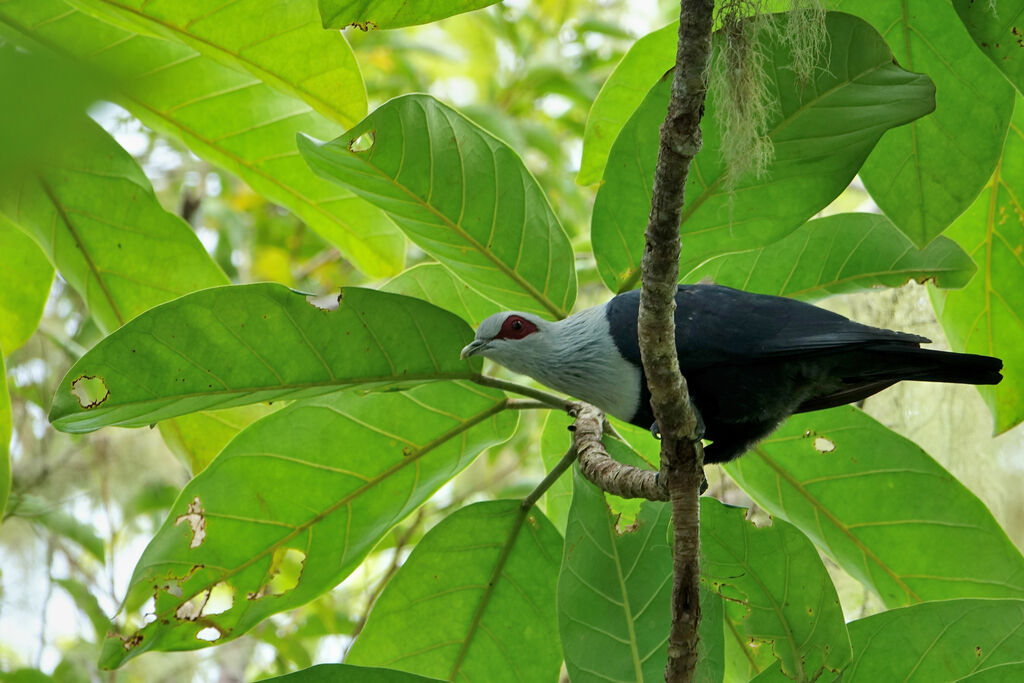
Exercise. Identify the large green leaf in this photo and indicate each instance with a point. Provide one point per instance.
(374, 14)
(462, 195)
(778, 582)
(881, 508)
(614, 592)
(821, 130)
(555, 440)
(225, 116)
(294, 503)
(484, 580)
(939, 641)
(985, 317)
(346, 673)
(842, 253)
(197, 438)
(924, 176)
(636, 73)
(434, 283)
(96, 216)
(235, 345)
(997, 27)
(281, 44)
(24, 286)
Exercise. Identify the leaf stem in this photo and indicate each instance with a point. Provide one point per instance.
(545, 483)
(547, 398)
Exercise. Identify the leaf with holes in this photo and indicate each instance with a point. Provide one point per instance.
(434, 283)
(636, 73)
(985, 317)
(226, 116)
(24, 286)
(924, 175)
(98, 219)
(821, 130)
(842, 253)
(614, 592)
(997, 28)
(779, 587)
(281, 44)
(846, 480)
(242, 344)
(462, 195)
(345, 468)
(379, 14)
(484, 579)
(950, 640)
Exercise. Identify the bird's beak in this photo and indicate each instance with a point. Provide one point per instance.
(472, 348)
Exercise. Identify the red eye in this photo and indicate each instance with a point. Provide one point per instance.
(516, 327)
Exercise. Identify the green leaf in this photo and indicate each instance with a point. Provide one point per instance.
(821, 130)
(345, 673)
(197, 438)
(5, 438)
(95, 214)
(985, 317)
(44, 513)
(781, 585)
(997, 27)
(344, 469)
(235, 345)
(637, 72)
(462, 195)
(281, 44)
(25, 283)
(555, 440)
(434, 283)
(842, 253)
(924, 175)
(225, 116)
(379, 14)
(939, 641)
(1013, 671)
(614, 593)
(88, 604)
(484, 580)
(881, 508)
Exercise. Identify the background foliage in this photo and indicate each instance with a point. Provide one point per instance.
(174, 175)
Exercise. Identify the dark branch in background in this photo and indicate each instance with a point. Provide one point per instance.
(681, 452)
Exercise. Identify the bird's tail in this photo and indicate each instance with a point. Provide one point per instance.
(927, 365)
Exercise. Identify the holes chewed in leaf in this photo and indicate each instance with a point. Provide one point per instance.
(325, 302)
(210, 634)
(284, 574)
(196, 519)
(363, 143)
(90, 391)
(823, 445)
(221, 598)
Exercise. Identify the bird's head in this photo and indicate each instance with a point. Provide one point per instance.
(510, 338)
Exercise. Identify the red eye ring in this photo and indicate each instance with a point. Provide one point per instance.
(516, 327)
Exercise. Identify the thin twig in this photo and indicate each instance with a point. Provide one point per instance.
(553, 400)
(560, 467)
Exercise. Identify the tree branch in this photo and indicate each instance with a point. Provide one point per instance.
(681, 452)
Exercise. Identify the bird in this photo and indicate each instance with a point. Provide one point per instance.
(749, 360)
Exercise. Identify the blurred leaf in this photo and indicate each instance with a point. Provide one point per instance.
(282, 44)
(614, 593)
(197, 438)
(638, 71)
(96, 216)
(227, 117)
(88, 604)
(997, 30)
(345, 673)
(985, 316)
(555, 440)
(484, 580)
(434, 283)
(36, 510)
(381, 14)
(939, 641)
(344, 468)
(25, 676)
(924, 175)
(842, 253)
(460, 194)
(242, 344)
(821, 130)
(881, 508)
(777, 577)
(5, 438)
(25, 283)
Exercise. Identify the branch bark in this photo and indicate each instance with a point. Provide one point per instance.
(681, 452)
